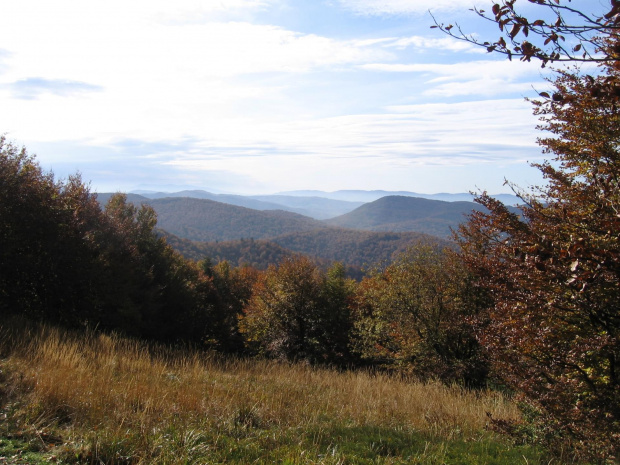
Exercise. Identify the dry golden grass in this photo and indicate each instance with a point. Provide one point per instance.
(127, 389)
(103, 379)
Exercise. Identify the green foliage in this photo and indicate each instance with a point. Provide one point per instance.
(151, 290)
(414, 317)
(233, 289)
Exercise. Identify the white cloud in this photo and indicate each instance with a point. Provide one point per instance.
(482, 77)
(155, 77)
(250, 98)
(419, 134)
(370, 149)
(445, 44)
(390, 7)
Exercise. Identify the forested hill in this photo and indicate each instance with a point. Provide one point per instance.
(370, 234)
(353, 247)
(400, 213)
(206, 220)
(259, 253)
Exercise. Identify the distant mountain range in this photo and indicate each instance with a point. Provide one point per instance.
(208, 220)
(316, 204)
(316, 207)
(370, 196)
(365, 234)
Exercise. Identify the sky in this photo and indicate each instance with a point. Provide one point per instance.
(265, 96)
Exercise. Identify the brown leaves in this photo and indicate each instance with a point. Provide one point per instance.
(546, 37)
(554, 273)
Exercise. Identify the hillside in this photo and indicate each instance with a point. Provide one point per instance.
(254, 203)
(351, 247)
(258, 253)
(207, 220)
(371, 234)
(400, 213)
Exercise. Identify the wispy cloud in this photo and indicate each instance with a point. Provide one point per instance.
(445, 44)
(395, 7)
(482, 77)
(32, 88)
(266, 91)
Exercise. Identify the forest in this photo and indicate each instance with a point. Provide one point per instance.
(524, 303)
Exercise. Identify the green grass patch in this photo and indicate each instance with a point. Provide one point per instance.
(15, 451)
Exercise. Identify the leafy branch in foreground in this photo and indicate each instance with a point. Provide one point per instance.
(561, 32)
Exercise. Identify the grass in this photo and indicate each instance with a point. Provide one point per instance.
(94, 398)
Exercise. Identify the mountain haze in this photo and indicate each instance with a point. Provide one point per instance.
(371, 196)
(319, 208)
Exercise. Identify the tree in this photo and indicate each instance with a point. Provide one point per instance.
(415, 317)
(545, 37)
(47, 262)
(233, 288)
(297, 313)
(553, 271)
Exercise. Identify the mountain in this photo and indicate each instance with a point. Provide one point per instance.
(371, 196)
(201, 228)
(320, 208)
(206, 220)
(400, 213)
(238, 200)
(136, 199)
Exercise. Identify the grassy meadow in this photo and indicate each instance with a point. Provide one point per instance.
(104, 399)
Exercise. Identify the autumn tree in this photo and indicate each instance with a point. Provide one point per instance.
(552, 271)
(233, 290)
(65, 260)
(46, 234)
(414, 317)
(297, 313)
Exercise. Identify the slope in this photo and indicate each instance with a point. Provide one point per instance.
(400, 213)
(206, 220)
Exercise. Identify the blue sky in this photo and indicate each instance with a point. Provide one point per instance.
(261, 96)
